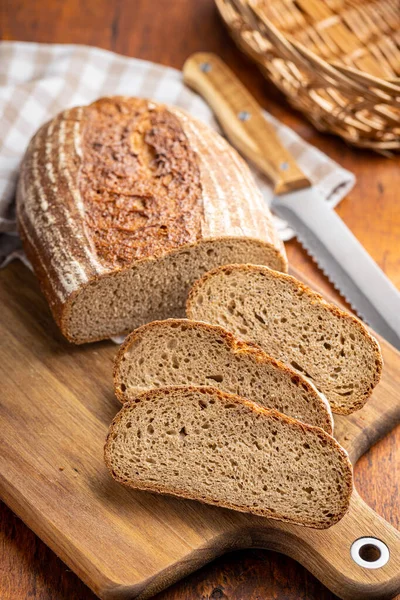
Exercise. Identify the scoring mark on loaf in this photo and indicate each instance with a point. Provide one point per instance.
(64, 168)
(37, 213)
(49, 153)
(71, 129)
(48, 215)
(77, 133)
(218, 214)
(224, 189)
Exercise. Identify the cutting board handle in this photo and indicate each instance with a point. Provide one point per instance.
(333, 555)
(242, 120)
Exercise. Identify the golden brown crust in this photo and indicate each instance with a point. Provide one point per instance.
(229, 399)
(139, 181)
(315, 297)
(180, 197)
(236, 346)
(224, 187)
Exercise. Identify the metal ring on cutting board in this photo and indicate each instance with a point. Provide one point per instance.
(371, 546)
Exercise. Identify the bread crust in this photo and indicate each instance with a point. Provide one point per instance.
(55, 218)
(255, 408)
(236, 346)
(315, 298)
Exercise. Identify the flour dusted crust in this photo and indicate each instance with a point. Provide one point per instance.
(226, 181)
(126, 181)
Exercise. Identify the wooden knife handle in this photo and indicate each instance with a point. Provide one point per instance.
(242, 120)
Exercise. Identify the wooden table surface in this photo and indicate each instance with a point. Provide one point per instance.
(167, 31)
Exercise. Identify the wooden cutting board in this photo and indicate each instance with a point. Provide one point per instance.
(56, 402)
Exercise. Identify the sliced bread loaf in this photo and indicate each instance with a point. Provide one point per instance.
(218, 448)
(123, 204)
(178, 352)
(295, 325)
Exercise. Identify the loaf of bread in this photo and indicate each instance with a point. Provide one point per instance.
(122, 204)
(294, 324)
(204, 444)
(178, 352)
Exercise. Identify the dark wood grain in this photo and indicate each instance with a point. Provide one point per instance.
(167, 31)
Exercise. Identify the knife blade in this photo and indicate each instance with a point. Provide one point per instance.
(344, 260)
(319, 229)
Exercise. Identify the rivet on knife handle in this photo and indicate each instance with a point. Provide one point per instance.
(242, 120)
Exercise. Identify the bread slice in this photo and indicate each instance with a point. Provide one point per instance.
(178, 352)
(204, 444)
(294, 324)
(123, 204)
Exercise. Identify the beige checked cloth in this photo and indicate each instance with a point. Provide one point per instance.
(39, 80)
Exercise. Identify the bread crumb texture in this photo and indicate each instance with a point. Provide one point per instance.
(294, 324)
(178, 352)
(214, 447)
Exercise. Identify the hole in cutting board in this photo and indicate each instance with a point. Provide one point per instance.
(370, 553)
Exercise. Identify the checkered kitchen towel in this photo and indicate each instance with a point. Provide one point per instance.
(39, 80)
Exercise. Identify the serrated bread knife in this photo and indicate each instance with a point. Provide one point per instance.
(319, 229)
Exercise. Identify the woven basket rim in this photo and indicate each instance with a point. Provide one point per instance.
(386, 83)
(355, 104)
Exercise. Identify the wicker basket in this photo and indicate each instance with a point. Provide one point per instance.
(338, 61)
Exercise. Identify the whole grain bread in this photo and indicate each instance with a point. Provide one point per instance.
(294, 324)
(122, 204)
(204, 444)
(178, 352)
